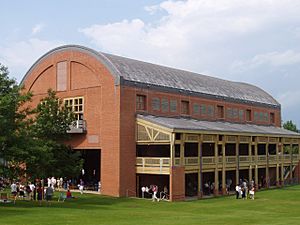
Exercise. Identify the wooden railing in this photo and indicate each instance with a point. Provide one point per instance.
(152, 162)
(160, 163)
(191, 161)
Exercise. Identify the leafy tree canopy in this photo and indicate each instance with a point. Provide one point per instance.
(289, 125)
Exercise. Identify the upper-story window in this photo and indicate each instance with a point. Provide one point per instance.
(272, 117)
(185, 107)
(140, 102)
(156, 104)
(76, 105)
(248, 115)
(173, 105)
(220, 111)
(165, 105)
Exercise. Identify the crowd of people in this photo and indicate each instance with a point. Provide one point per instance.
(42, 189)
(245, 190)
(152, 191)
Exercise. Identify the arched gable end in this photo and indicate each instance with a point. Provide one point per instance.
(56, 70)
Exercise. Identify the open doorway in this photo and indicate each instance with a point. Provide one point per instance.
(90, 173)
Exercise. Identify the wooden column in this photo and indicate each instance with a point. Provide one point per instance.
(281, 165)
(224, 187)
(216, 190)
(277, 165)
(291, 165)
(256, 162)
(200, 191)
(237, 170)
(267, 166)
(182, 140)
(250, 161)
(172, 150)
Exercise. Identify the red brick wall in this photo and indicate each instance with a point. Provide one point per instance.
(177, 184)
(192, 99)
(87, 77)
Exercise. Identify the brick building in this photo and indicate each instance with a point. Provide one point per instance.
(140, 124)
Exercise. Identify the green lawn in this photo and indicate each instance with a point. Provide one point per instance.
(278, 206)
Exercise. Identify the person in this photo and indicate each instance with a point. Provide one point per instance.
(39, 191)
(69, 194)
(243, 191)
(14, 191)
(49, 194)
(251, 193)
(154, 190)
(237, 191)
(164, 193)
(32, 189)
(81, 185)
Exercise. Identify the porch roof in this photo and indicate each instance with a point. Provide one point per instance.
(193, 125)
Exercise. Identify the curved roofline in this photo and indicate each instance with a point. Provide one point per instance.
(104, 58)
(98, 55)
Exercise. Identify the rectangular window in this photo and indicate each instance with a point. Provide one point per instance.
(155, 104)
(185, 107)
(210, 110)
(256, 116)
(140, 102)
(173, 105)
(220, 111)
(235, 113)
(165, 105)
(248, 115)
(229, 113)
(241, 115)
(76, 105)
(272, 118)
(196, 108)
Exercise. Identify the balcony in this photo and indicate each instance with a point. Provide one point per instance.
(153, 165)
(77, 127)
(156, 165)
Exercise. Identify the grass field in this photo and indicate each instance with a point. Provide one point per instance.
(278, 206)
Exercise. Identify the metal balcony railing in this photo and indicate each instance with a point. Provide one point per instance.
(77, 127)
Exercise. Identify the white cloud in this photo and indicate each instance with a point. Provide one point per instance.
(19, 56)
(271, 59)
(37, 28)
(193, 33)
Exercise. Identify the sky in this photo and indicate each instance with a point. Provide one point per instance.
(255, 41)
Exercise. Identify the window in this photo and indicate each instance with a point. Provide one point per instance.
(173, 105)
(140, 102)
(185, 107)
(165, 105)
(76, 106)
(203, 109)
(248, 115)
(155, 104)
(220, 110)
(256, 116)
(272, 117)
(241, 115)
(196, 108)
(210, 110)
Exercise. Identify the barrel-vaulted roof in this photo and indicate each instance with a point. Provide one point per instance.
(133, 72)
(187, 124)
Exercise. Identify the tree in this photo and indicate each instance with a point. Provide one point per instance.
(49, 155)
(289, 125)
(32, 140)
(13, 121)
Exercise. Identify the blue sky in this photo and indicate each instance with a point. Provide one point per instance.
(253, 41)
